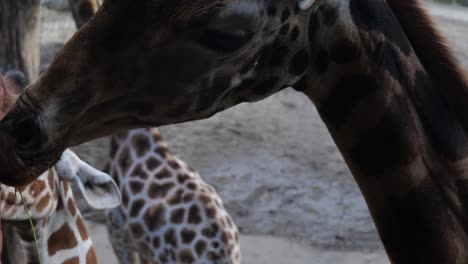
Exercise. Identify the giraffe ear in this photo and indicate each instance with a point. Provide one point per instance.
(305, 4)
(98, 188)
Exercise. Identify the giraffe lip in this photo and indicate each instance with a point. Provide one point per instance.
(13, 170)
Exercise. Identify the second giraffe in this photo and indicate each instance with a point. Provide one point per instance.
(168, 213)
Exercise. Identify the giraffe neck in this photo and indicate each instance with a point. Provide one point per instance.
(404, 145)
(146, 145)
(61, 236)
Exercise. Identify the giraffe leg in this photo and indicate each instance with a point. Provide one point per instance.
(120, 239)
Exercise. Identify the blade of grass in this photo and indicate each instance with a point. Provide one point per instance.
(32, 227)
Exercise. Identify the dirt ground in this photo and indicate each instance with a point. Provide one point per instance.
(275, 166)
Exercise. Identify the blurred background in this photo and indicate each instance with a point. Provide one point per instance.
(274, 163)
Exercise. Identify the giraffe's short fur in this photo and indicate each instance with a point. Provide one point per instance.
(168, 213)
(62, 234)
(61, 231)
(386, 85)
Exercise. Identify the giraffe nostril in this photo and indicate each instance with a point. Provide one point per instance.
(26, 133)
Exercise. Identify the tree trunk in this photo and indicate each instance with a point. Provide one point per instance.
(19, 36)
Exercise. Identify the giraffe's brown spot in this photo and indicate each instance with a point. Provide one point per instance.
(71, 206)
(176, 198)
(285, 15)
(162, 151)
(124, 160)
(156, 242)
(136, 207)
(163, 258)
(177, 216)
(208, 232)
(42, 204)
(194, 215)
(186, 256)
(144, 248)
(188, 197)
(376, 16)
(389, 145)
(114, 147)
(137, 230)
(159, 190)
(164, 174)
(66, 187)
(141, 144)
(136, 187)
(125, 198)
(299, 63)
(60, 205)
(344, 51)
(346, 94)
(408, 222)
(182, 178)
(91, 256)
(213, 256)
(215, 244)
(205, 199)
(210, 212)
(174, 164)
(107, 169)
(82, 228)
(51, 179)
(36, 187)
(187, 236)
(155, 217)
(295, 33)
(139, 172)
(192, 186)
(445, 131)
(284, 29)
(152, 163)
(200, 247)
(329, 14)
(74, 260)
(225, 237)
(170, 237)
(62, 239)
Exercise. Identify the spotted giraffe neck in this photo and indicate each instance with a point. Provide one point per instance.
(387, 113)
(61, 231)
(169, 214)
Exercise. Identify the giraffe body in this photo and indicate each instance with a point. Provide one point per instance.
(169, 214)
(61, 231)
(386, 85)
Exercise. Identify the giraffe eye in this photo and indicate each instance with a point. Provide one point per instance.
(223, 41)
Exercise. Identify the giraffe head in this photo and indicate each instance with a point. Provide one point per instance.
(147, 63)
(41, 196)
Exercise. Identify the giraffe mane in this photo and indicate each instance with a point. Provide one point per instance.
(448, 77)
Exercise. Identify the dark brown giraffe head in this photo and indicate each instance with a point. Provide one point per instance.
(147, 63)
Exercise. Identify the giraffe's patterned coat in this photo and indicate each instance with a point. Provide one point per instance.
(62, 234)
(168, 213)
(385, 83)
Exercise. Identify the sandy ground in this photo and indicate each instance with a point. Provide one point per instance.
(263, 250)
(276, 167)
